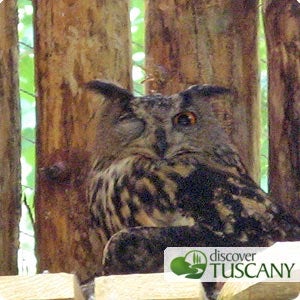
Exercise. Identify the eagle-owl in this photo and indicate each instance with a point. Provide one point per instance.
(173, 180)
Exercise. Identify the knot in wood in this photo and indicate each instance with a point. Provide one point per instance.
(58, 172)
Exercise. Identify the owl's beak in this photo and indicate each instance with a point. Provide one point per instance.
(161, 145)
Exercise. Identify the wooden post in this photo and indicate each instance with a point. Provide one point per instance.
(75, 42)
(10, 171)
(282, 27)
(212, 42)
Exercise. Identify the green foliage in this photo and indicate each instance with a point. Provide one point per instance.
(26, 72)
(262, 51)
(137, 15)
(26, 77)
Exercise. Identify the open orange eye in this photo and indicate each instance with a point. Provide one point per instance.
(186, 118)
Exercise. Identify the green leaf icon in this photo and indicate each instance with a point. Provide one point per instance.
(179, 266)
(193, 264)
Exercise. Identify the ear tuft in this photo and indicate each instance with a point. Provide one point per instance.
(109, 90)
(206, 90)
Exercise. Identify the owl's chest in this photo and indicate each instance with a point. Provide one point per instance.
(143, 192)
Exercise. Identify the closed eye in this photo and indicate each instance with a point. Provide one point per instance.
(129, 127)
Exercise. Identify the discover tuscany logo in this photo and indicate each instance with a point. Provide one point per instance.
(192, 265)
(220, 264)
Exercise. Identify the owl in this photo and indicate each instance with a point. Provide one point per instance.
(174, 179)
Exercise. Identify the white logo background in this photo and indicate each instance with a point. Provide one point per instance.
(261, 264)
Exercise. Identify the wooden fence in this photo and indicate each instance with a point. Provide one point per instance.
(187, 42)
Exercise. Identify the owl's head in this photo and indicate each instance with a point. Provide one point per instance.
(157, 126)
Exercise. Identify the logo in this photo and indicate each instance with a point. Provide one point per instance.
(243, 264)
(193, 264)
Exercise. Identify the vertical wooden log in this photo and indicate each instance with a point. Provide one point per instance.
(10, 149)
(75, 42)
(212, 42)
(282, 27)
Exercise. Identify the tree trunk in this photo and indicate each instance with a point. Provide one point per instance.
(212, 42)
(10, 148)
(76, 41)
(282, 26)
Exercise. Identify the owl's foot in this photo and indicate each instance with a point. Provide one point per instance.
(141, 249)
(130, 251)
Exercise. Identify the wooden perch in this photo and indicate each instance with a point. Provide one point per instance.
(264, 290)
(146, 287)
(259, 291)
(59, 286)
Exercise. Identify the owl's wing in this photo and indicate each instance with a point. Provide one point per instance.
(234, 207)
(227, 158)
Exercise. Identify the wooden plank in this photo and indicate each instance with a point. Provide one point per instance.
(260, 291)
(209, 42)
(282, 27)
(146, 287)
(256, 290)
(59, 286)
(75, 42)
(10, 133)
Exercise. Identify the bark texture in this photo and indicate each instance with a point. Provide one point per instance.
(282, 26)
(76, 41)
(212, 42)
(10, 171)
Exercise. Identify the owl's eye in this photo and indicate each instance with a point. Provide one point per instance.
(186, 118)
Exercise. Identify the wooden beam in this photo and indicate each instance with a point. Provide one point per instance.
(59, 286)
(146, 287)
(260, 290)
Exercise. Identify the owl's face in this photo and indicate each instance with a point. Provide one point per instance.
(161, 127)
